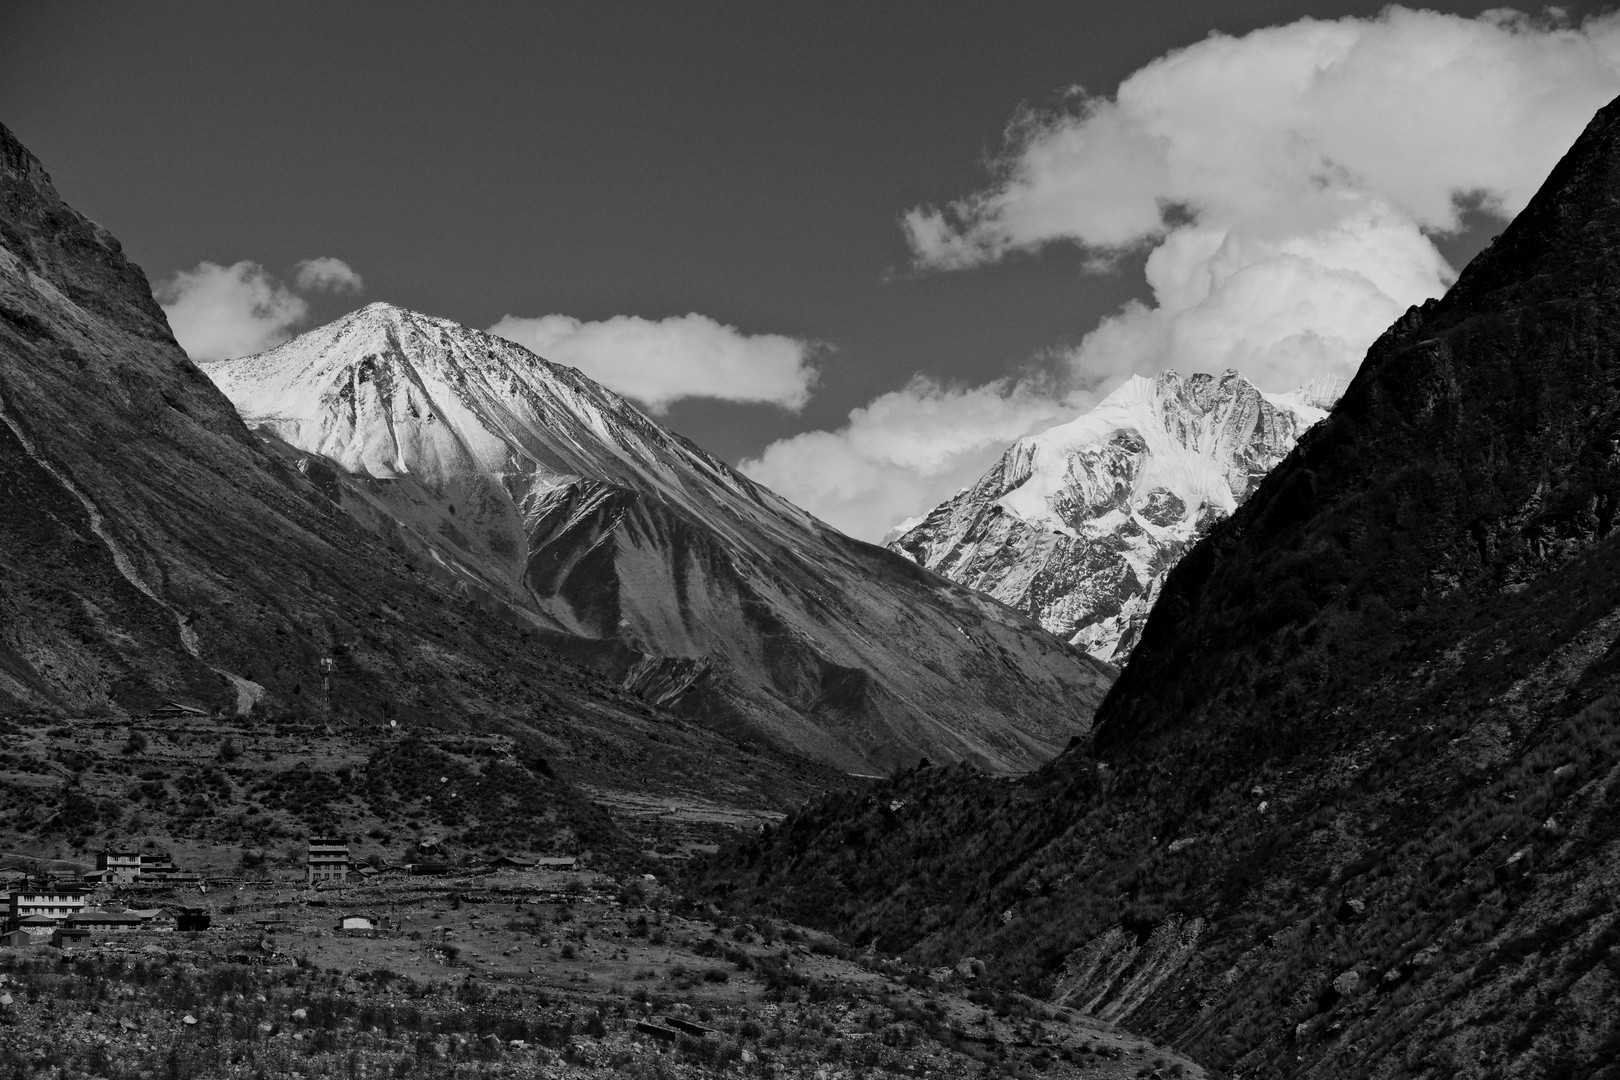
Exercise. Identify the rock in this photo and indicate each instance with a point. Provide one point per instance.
(1426, 957)
(1517, 865)
(189, 1020)
(1352, 911)
(300, 1014)
(5, 1000)
(748, 1057)
(1564, 772)
(266, 1027)
(1183, 844)
(1349, 983)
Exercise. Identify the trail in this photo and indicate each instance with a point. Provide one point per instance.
(247, 691)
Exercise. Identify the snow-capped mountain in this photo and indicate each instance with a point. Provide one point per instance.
(1078, 524)
(635, 552)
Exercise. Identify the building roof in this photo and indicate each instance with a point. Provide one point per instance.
(175, 708)
(105, 918)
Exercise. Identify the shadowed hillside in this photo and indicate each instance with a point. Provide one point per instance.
(152, 549)
(1350, 809)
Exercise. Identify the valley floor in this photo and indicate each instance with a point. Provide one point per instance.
(514, 974)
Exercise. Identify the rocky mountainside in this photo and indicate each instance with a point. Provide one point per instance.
(151, 548)
(1350, 808)
(630, 549)
(1078, 525)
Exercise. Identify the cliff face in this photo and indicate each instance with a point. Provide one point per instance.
(637, 553)
(152, 548)
(1078, 525)
(1369, 742)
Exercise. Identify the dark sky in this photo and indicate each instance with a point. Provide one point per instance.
(745, 161)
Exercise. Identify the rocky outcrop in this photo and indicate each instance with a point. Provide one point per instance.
(631, 550)
(1111, 975)
(1078, 525)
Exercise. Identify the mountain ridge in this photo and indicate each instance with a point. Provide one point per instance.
(634, 552)
(1349, 810)
(153, 549)
(1078, 525)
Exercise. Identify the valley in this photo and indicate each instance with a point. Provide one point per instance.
(1349, 809)
(518, 974)
(433, 710)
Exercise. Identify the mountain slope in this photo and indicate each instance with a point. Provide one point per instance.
(1078, 525)
(151, 549)
(643, 556)
(1350, 808)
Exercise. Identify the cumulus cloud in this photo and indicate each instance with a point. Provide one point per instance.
(659, 362)
(1287, 181)
(905, 451)
(1287, 184)
(329, 274)
(218, 312)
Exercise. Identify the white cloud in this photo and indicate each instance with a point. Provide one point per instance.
(1286, 180)
(218, 312)
(904, 452)
(1287, 183)
(660, 362)
(332, 275)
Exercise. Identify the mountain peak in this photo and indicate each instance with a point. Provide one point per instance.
(1078, 524)
(646, 556)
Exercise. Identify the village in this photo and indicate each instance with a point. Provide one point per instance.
(522, 967)
(192, 895)
(67, 908)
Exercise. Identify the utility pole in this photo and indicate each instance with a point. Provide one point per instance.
(327, 666)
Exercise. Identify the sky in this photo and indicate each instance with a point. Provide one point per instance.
(856, 249)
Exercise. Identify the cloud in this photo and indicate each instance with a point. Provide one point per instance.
(1287, 184)
(660, 362)
(218, 312)
(1287, 181)
(905, 451)
(329, 274)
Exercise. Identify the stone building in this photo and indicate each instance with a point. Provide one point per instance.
(328, 860)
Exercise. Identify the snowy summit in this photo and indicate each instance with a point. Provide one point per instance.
(1078, 525)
